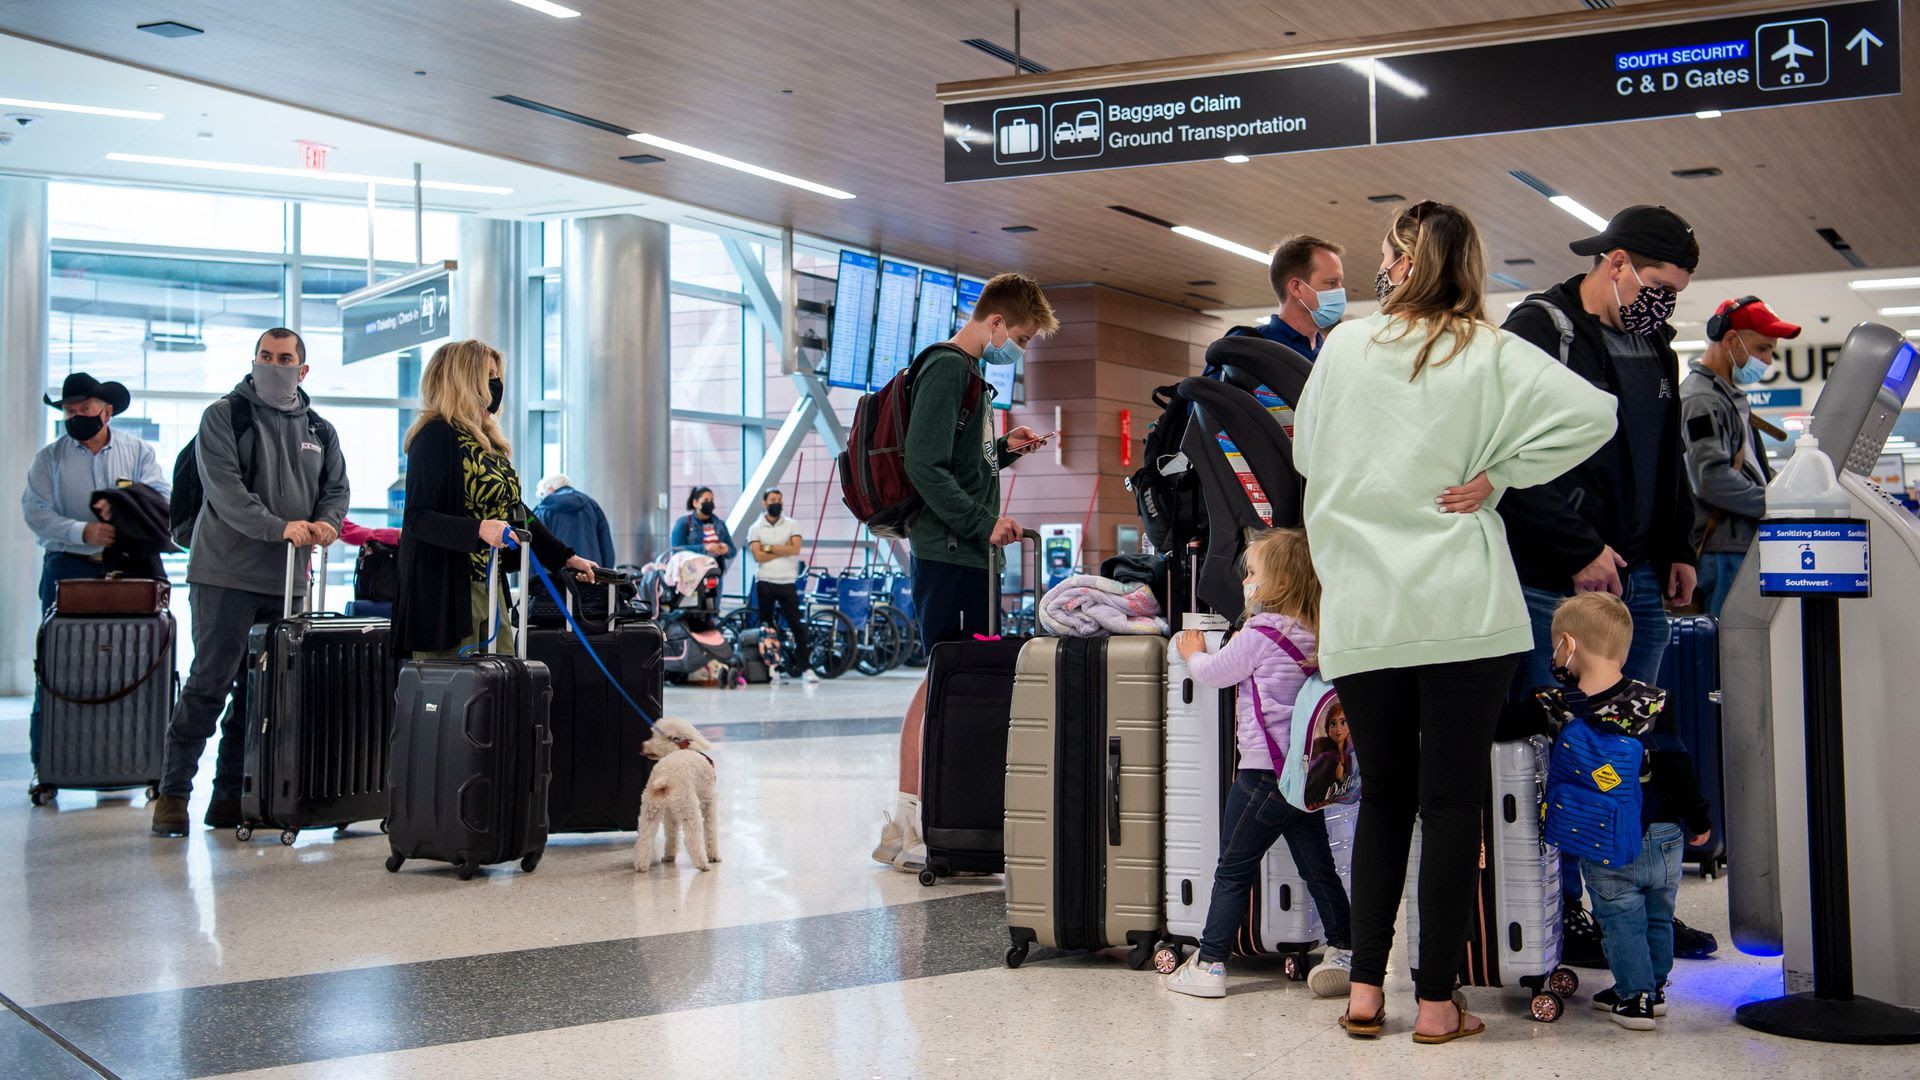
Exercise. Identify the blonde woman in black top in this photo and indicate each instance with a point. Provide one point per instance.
(463, 496)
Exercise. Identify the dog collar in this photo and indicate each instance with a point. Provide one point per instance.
(687, 744)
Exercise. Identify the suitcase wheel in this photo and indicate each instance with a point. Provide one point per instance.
(1140, 956)
(928, 877)
(383, 826)
(41, 795)
(466, 870)
(532, 860)
(153, 792)
(1546, 1007)
(287, 836)
(1564, 982)
(1297, 966)
(1016, 955)
(1166, 958)
(243, 833)
(395, 861)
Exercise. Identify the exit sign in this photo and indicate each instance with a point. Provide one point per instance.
(313, 156)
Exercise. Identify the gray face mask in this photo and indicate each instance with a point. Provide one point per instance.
(277, 386)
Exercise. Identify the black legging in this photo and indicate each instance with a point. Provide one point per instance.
(787, 599)
(1423, 736)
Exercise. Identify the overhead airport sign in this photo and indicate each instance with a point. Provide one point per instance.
(409, 310)
(1752, 61)
(1261, 112)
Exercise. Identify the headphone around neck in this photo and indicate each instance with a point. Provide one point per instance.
(1720, 324)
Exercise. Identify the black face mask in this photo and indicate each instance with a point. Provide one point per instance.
(82, 428)
(706, 508)
(495, 388)
(773, 511)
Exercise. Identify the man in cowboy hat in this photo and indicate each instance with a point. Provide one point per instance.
(88, 456)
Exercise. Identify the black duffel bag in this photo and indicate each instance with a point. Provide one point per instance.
(376, 573)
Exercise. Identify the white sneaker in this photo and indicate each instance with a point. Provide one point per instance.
(913, 846)
(1198, 980)
(775, 676)
(889, 847)
(1330, 976)
(808, 676)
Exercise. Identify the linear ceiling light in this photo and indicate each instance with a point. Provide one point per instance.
(1708, 114)
(90, 110)
(1222, 243)
(1572, 206)
(1897, 311)
(734, 163)
(306, 174)
(1885, 283)
(546, 8)
(1236, 159)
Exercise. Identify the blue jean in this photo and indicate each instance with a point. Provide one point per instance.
(59, 566)
(1645, 596)
(1717, 571)
(1635, 907)
(1255, 816)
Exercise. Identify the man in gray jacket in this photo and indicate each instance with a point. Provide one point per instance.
(273, 475)
(1725, 459)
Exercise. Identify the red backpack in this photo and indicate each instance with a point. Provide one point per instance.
(873, 468)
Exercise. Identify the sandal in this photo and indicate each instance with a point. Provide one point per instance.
(1460, 1030)
(1365, 1029)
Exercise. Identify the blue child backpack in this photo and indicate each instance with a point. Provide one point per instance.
(1319, 767)
(1593, 794)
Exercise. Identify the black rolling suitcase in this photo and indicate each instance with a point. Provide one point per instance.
(963, 746)
(319, 717)
(1690, 674)
(598, 770)
(108, 686)
(471, 758)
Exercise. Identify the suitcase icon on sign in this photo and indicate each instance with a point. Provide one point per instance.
(1018, 135)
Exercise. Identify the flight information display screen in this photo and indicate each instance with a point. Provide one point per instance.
(854, 295)
(933, 319)
(969, 295)
(893, 330)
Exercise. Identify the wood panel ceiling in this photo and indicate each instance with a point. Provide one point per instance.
(861, 115)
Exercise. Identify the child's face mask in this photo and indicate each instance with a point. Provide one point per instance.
(1563, 654)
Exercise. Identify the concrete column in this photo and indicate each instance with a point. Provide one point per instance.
(486, 306)
(23, 419)
(614, 320)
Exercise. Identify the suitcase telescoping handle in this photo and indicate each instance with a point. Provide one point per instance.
(515, 538)
(314, 603)
(1027, 536)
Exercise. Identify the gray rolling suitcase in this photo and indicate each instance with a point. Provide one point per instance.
(1514, 934)
(108, 685)
(1085, 796)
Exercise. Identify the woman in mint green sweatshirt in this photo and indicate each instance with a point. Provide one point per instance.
(1414, 421)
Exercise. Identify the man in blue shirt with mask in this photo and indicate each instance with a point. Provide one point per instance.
(88, 456)
(1308, 280)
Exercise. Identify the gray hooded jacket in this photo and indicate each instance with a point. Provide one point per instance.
(299, 475)
(1729, 482)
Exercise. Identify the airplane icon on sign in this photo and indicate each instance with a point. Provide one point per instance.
(1792, 51)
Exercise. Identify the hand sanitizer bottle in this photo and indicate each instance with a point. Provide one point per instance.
(1806, 486)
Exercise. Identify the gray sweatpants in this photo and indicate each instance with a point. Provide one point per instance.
(221, 620)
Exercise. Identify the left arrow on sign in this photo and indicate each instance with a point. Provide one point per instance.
(1861, 41)
(968, 130)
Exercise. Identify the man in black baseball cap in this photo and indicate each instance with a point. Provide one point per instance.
(1621, 521)
(88, 456)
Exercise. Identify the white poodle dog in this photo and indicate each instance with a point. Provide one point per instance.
(679, 795)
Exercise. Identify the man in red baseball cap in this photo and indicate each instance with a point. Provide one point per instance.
(1725, 458)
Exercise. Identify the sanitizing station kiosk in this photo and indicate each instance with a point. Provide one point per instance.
(1764, 724)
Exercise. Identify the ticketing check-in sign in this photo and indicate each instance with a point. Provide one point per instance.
(1815, 557)
(1573, 77)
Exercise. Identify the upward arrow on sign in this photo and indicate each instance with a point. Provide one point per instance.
(1861, 41)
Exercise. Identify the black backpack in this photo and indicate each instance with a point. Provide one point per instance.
(188, 496)
(1172, 511)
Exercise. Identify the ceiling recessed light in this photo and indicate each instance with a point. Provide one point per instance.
(1222, 243)
(170, 29)
(642, 159)
(1519, 262)
(1203, 282)
(305, 174)
(203, 135)
(1018, 228)
(90, 110)
(1708, 114)
(742, 166)
(1390, 198)
(544, 7)
(1237, 159)
(1704, 172)
(1894, 312)
(1885, 283)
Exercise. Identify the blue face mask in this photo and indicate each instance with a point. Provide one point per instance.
(1750, 371)
(1007, 352)
(1333, 304)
